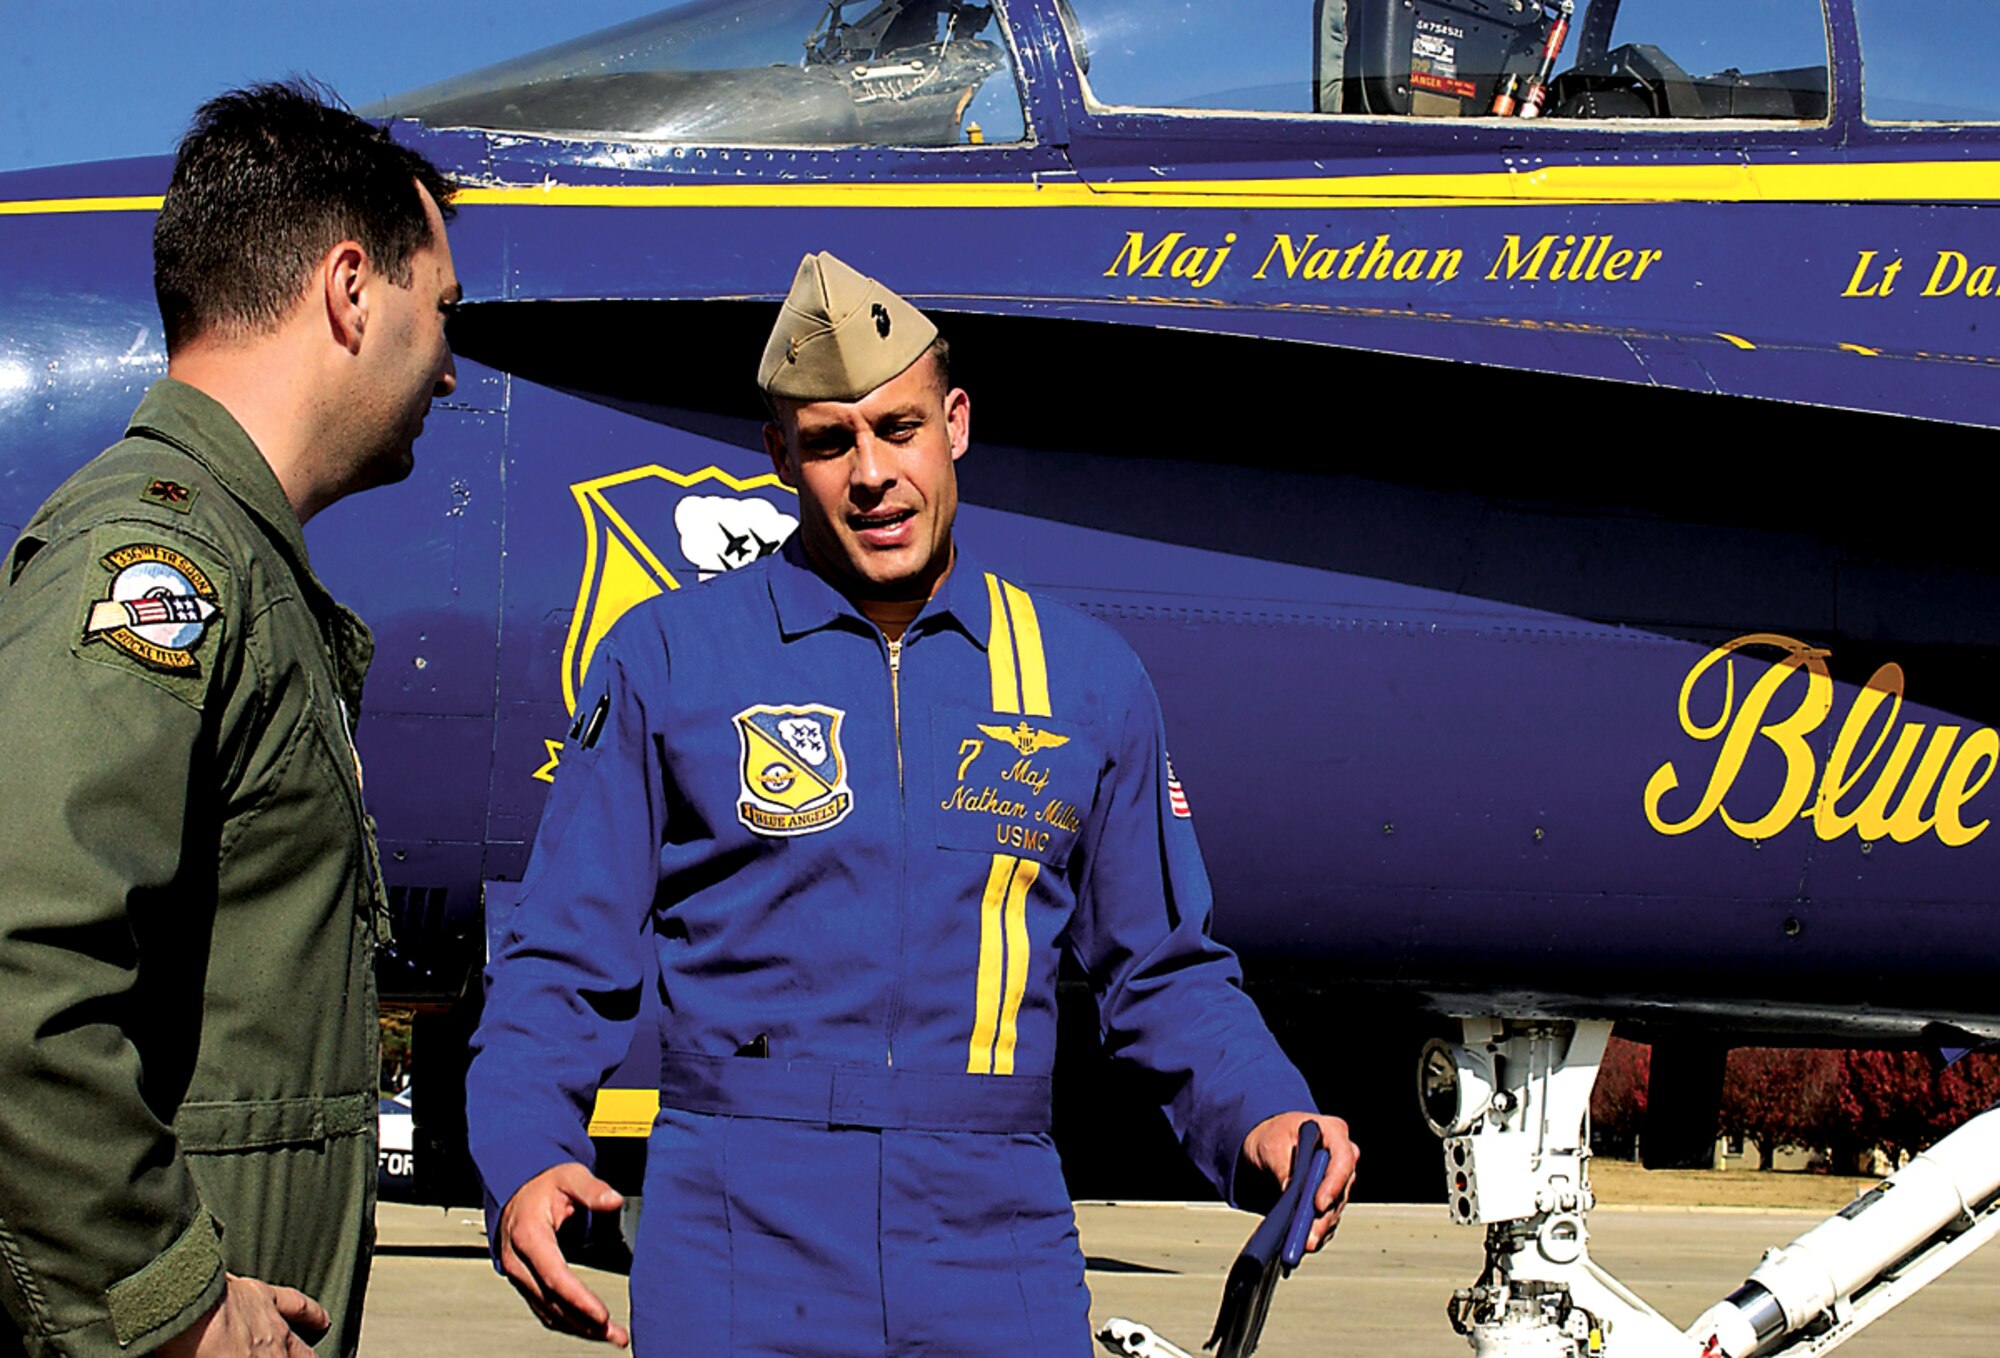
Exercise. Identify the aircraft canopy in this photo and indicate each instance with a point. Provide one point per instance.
(753, 72)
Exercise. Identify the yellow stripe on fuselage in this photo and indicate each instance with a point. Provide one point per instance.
(34, 207)
(1915, 181)
(1929, 181)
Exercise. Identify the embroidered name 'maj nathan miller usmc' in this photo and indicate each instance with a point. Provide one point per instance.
(158, 609)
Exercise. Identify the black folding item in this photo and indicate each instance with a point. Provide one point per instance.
(1273, 1251)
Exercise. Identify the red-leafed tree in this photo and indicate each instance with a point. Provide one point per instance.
(1781, 1096)
(1902, 1103)
(1846, 1102)
(1618, 1102)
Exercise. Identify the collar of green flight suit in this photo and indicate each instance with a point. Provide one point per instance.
(201, 427)
(806, 601)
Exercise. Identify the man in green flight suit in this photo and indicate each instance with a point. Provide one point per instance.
(189, 896)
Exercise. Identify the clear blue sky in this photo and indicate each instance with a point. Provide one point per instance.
(96, 79)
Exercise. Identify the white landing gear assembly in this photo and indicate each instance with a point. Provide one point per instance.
(1511, 1100)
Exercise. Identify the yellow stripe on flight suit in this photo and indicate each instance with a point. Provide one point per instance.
(1020, 681)
(1028, 644)
(1025, 873)
(986, 1000)
(1000, 652)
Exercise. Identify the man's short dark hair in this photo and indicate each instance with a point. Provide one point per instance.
(940, 352)
(266, 181)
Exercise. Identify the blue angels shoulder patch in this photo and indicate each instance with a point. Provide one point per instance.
(158, 609)
(794, 775)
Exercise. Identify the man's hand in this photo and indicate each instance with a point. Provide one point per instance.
(252, 1318)
(533, 1262)
(1270, 1145)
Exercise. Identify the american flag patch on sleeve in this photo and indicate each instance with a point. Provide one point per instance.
(1176, 794)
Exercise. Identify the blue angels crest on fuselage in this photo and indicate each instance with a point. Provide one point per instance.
(647, 530)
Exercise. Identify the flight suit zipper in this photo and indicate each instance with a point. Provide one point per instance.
(896, 703)
(903, 859)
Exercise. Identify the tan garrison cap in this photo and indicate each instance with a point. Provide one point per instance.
(840, 335)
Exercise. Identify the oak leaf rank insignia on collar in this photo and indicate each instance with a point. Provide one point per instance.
(172, 494)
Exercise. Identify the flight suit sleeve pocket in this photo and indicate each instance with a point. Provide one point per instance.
(1012, 785)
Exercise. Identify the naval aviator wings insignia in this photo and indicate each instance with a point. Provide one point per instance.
(1029, 740)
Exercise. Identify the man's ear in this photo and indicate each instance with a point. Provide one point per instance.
(958, 419)
(346, 273)
(781, 455)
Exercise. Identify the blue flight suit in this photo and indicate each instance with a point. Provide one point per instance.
(870, 857)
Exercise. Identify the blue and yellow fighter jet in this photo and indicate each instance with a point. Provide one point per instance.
(1533, 447)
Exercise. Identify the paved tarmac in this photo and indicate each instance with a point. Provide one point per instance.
(1380, 1288)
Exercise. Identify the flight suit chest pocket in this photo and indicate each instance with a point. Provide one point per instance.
(1009, 784)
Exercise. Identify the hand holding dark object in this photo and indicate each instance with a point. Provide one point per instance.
(252, 1318)
(534, 1263)
(1269, 1147)
(1280, 1241)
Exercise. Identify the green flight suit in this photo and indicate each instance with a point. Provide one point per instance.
(189, 902)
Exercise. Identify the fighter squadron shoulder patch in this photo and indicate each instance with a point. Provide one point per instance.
(158, 609)
(794, 775)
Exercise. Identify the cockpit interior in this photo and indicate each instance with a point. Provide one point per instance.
(943, 73)
(1558, 59)
(1527, 58)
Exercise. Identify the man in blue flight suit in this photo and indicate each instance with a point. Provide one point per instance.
(845, 809)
